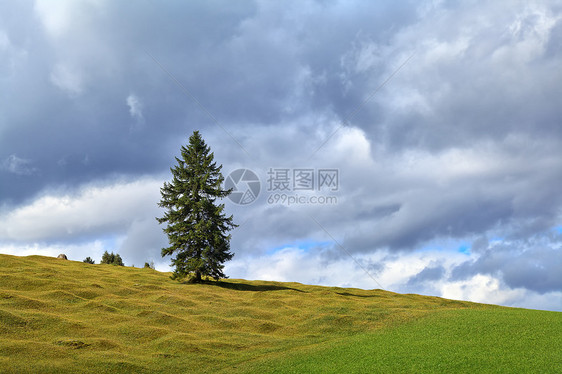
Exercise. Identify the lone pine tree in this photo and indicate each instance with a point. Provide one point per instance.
(197, 227)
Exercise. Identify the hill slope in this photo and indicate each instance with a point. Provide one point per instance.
(66, 316)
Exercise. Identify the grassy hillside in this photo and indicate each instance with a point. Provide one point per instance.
(65, 316)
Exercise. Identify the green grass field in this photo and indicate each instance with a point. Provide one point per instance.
(65, 316)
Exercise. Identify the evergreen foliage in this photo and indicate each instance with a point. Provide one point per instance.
(118, 260)
(197, 227)
(89, 260)
(110, 258)
(106, 258)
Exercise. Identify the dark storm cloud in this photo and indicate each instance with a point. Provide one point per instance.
(475, 76)
(432, 273)
(71, 79)
(534, 264)
(245, 63)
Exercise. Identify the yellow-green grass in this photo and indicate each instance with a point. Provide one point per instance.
(451, 341)
(66, 316)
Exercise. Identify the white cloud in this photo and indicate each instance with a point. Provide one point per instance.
(78, 42)
(529, 31)
(59, 16)
(293, 264)
(121, 213)
(55, 15)
(18, 166)
(93, 209)
(135, 107)
(480, 288)
(353, 143)
(75, 252)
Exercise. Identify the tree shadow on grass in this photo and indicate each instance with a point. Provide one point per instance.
(251, 287)
(350, 294)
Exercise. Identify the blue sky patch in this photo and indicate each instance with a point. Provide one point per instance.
(464, 248)
(304, 246)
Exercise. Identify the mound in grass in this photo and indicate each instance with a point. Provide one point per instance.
(65, 316)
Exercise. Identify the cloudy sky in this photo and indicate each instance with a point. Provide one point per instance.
(442, 122)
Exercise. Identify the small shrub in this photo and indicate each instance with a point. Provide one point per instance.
(89, 260)
(110, 258)
(118, 260)
(149, 265)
